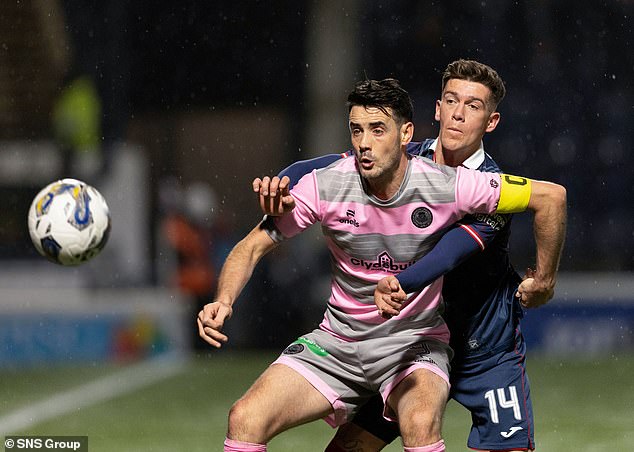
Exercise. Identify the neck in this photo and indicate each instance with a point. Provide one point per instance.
(452, 158)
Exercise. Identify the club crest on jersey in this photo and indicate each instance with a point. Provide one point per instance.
(293, 349)
(301, 343)
(422, 217)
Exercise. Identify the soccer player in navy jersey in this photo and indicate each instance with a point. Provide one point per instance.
(482, 291)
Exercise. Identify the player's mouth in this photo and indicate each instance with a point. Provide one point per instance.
(366, 163)
(454, 130)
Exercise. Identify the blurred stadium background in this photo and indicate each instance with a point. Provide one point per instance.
(171, 108)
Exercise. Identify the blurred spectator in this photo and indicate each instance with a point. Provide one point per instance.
(101, 52)
(187, 226)
(76, 121)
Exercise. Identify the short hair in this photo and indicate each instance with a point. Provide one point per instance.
(474, 71)
(383, 94)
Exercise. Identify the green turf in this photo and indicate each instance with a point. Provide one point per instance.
(18, 387)
(580, 406)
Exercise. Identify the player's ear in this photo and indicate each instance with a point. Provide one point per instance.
(437, 114)
(492, 123)
(407, 132)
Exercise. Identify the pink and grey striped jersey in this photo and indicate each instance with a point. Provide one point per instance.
(370, 238)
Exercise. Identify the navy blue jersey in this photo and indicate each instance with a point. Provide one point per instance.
(482, 311)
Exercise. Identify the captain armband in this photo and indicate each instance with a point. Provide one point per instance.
(515, 193)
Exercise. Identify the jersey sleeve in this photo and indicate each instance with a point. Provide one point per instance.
(480, 192)
(462, 241)
(299, 169)
(307, 208)
(476, 191)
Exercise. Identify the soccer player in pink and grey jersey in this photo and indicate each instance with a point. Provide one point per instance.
(483, 303)
(396, 207)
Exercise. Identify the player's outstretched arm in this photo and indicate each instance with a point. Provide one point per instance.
(548, 202)
(235, 273)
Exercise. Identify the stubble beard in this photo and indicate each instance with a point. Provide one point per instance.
(380, 176)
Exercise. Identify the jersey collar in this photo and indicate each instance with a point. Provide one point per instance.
(473, 162)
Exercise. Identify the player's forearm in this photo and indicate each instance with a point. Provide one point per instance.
(548, 201)
(452, 249)
(240, 263)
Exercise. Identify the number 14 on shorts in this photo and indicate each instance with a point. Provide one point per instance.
(498, 398)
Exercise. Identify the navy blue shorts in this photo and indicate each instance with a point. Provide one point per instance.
(494, 389)
(497, 393)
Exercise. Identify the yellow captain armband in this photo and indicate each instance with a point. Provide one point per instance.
(515, 193)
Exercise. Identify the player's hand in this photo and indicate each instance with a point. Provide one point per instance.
(389, 297)
(274, 195)
(534, 292)
(210, 322)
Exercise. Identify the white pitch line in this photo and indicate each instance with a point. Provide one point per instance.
(106, 388)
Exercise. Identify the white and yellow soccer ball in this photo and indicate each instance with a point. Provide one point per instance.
(69, 222)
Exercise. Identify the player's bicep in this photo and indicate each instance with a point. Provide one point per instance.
(544, 194)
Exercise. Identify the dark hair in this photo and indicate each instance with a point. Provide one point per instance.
(475, 71)
(383, 94)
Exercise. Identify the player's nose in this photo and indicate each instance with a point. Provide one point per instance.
(365, 142)
(458, 112)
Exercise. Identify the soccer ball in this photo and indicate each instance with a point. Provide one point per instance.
(69, 222)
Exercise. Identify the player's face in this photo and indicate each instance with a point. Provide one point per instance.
(378, 140)
(464, 116)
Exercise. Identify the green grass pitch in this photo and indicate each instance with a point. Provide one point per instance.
(580, 405)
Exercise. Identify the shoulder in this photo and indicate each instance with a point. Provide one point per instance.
(421, 148)
(337, 174)
(346, 162)
(489, 165)
(426, 165)
(299, 169)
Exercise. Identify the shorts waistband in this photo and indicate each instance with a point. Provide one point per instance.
(505, 346)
